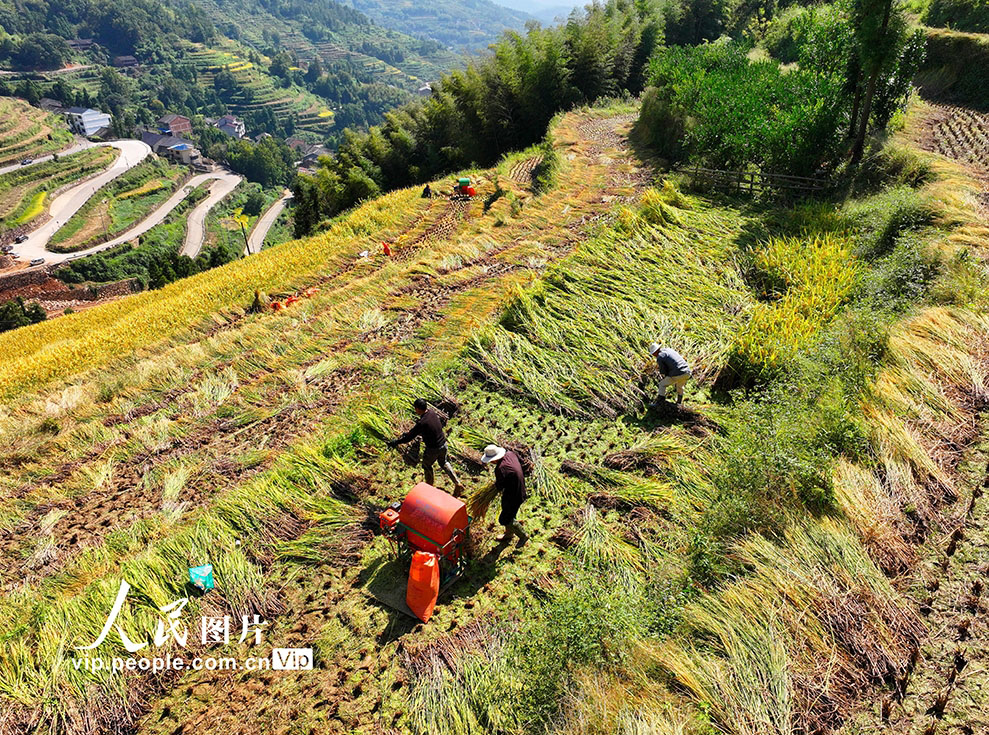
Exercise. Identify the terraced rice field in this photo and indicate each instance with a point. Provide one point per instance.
(960, 134)
(27, 132)
(178, 426)
(522, 172)
(262, 93)
(474, 273)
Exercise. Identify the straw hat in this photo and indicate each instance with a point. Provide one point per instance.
(654, 348)
(492, 453)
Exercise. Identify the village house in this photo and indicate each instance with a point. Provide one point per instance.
(125, 62)
(172, 124)
(232, 126)
(313, 154)
(174, 148)
(86, 121)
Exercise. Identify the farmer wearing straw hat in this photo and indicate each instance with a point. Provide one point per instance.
(510, 482)
(674, 370)
(430, 428)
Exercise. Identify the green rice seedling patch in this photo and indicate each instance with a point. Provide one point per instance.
(802, 283)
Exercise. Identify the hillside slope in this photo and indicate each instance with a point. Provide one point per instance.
(176, 427)
(394, 304)
(467, 25)
(369, 69)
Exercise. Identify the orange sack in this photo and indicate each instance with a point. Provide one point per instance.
(424, 584)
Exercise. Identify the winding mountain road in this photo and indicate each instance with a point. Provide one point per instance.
(195, 231)
(80, 145)
(66, 204)
(36, 244)
(158, 216)
(133, 152)
(255, 241)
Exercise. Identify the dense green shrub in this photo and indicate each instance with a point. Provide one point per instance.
(153, 265)
(15, 313)
(269, 162)
(960, 15)
(712, 106)
(802, 30)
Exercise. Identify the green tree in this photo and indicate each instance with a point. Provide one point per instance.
(881, 38)
(254, 202)
(15, 313)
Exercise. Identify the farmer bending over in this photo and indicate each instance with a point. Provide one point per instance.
(674, 370)
(430, 428)
(510, 482)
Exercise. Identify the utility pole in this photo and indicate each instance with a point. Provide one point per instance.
(247, 244)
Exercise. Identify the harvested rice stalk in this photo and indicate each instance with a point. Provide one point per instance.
(312, 469)
(650, 454)
(600, 547)
(545, 482)
(376, 421)
(626, 486)
(476, 438)
(480, 501)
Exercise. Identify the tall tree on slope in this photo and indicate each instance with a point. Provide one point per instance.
(887, 55)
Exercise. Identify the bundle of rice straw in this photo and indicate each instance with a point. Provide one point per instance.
(480, 500)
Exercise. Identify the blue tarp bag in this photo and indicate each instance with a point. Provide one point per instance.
(202, 577)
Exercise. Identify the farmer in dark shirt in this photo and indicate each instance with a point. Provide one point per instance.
(510, 482)
(673, 368)
(429, 428)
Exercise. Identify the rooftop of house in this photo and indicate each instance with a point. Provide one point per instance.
(316, 151)
(160, 140)
(83, 111)
(171, 117)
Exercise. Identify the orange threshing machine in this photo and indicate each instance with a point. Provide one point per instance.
(429, 529)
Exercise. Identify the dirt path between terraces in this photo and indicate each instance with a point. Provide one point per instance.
(51, 534)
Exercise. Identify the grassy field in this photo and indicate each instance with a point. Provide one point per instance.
(124, 203)
(838, 357)
(951, 64)
(24, 192)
